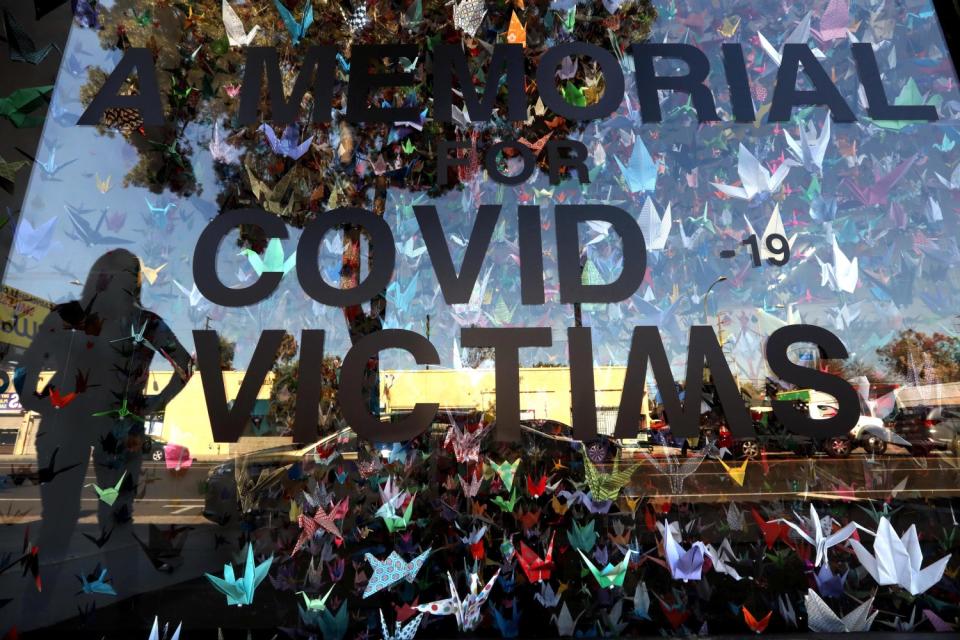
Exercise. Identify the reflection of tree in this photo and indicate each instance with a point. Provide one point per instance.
(198, 72)
(852, 368)
(920, 358)
(228, 350)
(283, 392)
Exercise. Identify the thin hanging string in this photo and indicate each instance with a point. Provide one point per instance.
(66, 365)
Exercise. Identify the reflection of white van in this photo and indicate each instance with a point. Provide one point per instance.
(869, 432)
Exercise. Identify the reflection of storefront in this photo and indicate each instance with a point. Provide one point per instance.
(544, 392)
(11, 419)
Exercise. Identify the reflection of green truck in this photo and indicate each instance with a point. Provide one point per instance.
(869, 432)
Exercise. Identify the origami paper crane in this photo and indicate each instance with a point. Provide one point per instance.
(471, 488)
(815, 534)
(155, 631)
(583, 537)
(683, 564)
(315, 604)
(833, 21)
(467, 611)
(757, 626)
(320, 520)
(237, 35)
(810, 150)
(656, 230)
(506, 470)
(607, 486)
(755, 179)
(799, 35)
(388, 512)
(401, 631)
(466, 444)
(536, 488)
(392, 570)
(18, 106)
(273, 259)
(297, 28)
(22, 47)
(110, 494)
(640, 172)
(506, 505)
(96, 583)
(822, 619)
(468, 15)
(547, 597)
(8, 173)
(721, 559)
(220, 149)
(843, 274)
(611, 575)
(566, 624)
(288, 144)
(177, 457)
(535, 567)
(240, 591)
(898, 560)
(641, 601)
(738, 473)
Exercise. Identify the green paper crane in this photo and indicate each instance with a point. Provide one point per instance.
(506, 505)
(8, 173)
(110, 494)
(607, 486)
(611, 575)
(388, 513)
(583, 538)
(17, 106)
(273, 259)
(239, 591)
(909, 96)
(315, 604)
(506, 470)
(573, 94)
(120, 413)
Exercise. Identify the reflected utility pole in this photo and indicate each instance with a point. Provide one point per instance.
(577, 313)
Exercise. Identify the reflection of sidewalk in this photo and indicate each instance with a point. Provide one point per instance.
(129, 569)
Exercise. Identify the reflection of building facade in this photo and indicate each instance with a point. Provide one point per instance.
(544, 394)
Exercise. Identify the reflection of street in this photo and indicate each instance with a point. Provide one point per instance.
(166, 499)
(784, 476)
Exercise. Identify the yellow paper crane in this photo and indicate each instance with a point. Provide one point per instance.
(151, 273)
(736, 473)
(102, 185)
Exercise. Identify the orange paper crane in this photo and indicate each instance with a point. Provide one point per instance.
(757, 626)
(516, 34)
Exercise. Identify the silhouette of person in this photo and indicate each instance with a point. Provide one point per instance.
(86, 374)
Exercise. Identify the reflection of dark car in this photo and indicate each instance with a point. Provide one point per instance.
(244, 484)
(600, 449)
(928, 428)
(153, 448)
(772, 435)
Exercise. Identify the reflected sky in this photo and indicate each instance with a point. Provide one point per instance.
(904, 248)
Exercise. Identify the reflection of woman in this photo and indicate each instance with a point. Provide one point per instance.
(98, 351)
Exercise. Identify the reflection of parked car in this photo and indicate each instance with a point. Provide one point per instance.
(928, 428)
(600, 449)
(869, 432)
(153, 447)
(239, 486)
